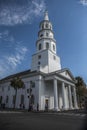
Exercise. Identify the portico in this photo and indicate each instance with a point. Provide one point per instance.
(64, 93)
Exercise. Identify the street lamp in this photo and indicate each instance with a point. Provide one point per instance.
(32, 85)
(30, 90)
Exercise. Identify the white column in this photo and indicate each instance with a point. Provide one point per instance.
(55, 95)
(38, 96)
(74, 97)
(63, 96)
(10, 99)
(70, 98)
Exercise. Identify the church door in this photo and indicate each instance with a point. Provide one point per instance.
(46, 104)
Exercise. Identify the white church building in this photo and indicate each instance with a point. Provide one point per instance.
(46, 84)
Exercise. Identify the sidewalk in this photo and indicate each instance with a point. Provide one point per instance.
(82, 111)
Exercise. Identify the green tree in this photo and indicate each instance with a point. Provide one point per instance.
(16, 83)
(81, 89)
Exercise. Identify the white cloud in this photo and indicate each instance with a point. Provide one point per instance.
(17, 58)
(10, 60)
(6, 36)
(38, 7)
(9, 63)
(12, 14)
(4, 33)
(83, 2)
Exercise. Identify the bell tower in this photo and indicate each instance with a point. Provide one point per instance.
(45, 58)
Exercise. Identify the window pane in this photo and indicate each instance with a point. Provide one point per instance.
(53, 47)
(47, 45)
(47, 34)
(39, 46)
(46, 25)
(39, 57)
(41, 35)
(54, 57)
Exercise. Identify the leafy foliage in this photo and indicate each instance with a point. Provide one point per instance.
(16, 83)
(80, 86)
(81, 89)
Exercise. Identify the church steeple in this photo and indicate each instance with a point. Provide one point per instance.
(46, 15)
(45, 59)
(46, 36)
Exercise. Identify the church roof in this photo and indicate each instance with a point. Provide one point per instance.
(63, 73)
(17, 75)
(67, 72)
(29, 72)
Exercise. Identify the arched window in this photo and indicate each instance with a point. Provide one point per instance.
(47, 34)
(41, 35)
(40, 46)
(39, 63)
(46, 25)
(47, 45)
(39, 56)
(54, 47)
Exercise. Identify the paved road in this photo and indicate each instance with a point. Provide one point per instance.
(41, 121)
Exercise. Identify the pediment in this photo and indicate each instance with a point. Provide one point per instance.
(67, 74)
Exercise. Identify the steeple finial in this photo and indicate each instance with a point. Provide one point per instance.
(46, 15)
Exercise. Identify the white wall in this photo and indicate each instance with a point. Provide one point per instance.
(47, 62)
(44, 62)
(54, 64)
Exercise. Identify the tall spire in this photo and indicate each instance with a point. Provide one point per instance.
(46, 15)
(45, 48)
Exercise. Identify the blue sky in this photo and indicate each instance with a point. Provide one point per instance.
(19, 25)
